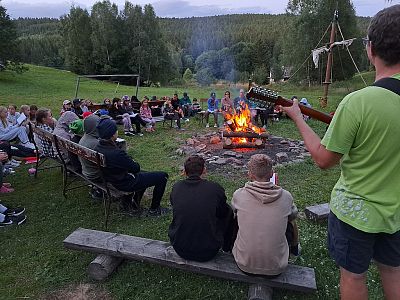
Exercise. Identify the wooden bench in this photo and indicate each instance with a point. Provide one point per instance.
(97, 159)
(43, 135)
(317, 213)
(113, 247)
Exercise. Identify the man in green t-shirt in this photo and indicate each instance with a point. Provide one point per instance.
(364, 222)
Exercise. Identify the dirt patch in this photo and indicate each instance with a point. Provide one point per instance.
(79, 292)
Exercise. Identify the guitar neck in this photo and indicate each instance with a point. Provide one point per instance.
(261, 94)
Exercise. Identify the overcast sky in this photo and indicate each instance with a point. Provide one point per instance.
(175, 8)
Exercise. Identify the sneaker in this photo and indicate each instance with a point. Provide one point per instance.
(11, 164)
(6, 190)
(207, 125)
(127, 133)
(159, 211)
(187, 120)
(18, 220)
(139, 134)
(96, 195)
(14, 212)
(215, 125)
(16, 161)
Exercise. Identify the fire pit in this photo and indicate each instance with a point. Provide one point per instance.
(239, 132)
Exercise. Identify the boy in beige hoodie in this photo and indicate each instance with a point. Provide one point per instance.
(265, 214)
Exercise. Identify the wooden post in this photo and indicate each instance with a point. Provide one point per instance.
(259, 292)
(103, 266)
(324, 100)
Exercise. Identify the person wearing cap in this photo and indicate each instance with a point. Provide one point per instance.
(67, 106)
(201, 215)
(125, 174)
(76, 107)
(212, 108)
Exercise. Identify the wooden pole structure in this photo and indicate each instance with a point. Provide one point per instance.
(324, 100)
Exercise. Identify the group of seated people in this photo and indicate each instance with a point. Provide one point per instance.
(259, 228)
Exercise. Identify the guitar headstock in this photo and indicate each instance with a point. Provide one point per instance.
(261, 93)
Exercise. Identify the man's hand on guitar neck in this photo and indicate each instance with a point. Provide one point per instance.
(294, 111)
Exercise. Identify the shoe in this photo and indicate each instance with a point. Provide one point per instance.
(215, 125)
(6, 190)
(14, 212)
(127, 133)
(159, 211)
(18, 220)
(207, 125)
(16, 161)
(131, 130)
(96, 194)
(265, 127)
(139, 134)
(187, 120)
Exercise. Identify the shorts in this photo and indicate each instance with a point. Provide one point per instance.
(353, 249)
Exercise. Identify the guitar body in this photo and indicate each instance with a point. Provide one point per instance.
(262, 95)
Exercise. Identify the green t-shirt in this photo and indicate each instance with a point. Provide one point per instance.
(366, 130)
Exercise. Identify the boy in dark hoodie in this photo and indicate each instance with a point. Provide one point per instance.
(265, 214)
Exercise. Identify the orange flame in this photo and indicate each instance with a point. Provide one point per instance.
(241, 120)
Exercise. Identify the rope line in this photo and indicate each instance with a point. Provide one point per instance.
(310, 53)
(351, 56)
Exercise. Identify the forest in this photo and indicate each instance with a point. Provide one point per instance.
(198, 50)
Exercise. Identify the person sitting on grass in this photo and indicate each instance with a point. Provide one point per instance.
(12, 114)
(265, 216)
(201, 215)
(145, 114)
(125, 174)
(10, 132)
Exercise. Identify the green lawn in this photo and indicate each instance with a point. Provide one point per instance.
(33, 261)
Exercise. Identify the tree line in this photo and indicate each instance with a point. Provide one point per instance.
(189, 50)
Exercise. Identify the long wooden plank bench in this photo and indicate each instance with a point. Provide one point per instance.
(317, 213)
(115, 245)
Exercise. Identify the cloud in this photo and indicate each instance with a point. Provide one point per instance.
(181, 9)
(36, 10)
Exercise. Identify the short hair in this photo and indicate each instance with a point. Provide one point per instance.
(383, 32)
(41, 114)
(194, 165)
(23, 107)
(33, 107)
(260, 165)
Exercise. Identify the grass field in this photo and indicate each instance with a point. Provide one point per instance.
(34, 263)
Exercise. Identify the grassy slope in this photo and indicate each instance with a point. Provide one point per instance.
(34, 261)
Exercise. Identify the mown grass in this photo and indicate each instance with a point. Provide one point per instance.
(34, 262)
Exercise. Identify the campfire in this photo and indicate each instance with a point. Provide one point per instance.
(239, 132)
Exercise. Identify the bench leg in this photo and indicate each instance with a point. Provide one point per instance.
(107, 205)
(103, 266)
(259, 292)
